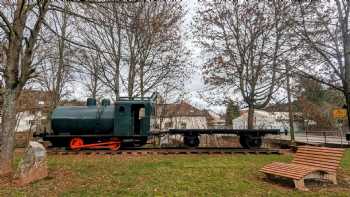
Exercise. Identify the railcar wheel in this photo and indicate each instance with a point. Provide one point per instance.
(248, 141)
(191, 140)
(76, 143)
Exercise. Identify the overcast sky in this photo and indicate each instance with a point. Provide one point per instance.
(196, 83)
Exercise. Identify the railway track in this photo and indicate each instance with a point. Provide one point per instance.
(166, 151)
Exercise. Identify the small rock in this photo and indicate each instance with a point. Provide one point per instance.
(33, 166)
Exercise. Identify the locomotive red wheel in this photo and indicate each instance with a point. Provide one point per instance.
(76, 143)
(115, 146)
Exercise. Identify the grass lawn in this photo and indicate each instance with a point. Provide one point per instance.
(176, 175)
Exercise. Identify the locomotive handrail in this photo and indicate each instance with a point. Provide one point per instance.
(145, 98)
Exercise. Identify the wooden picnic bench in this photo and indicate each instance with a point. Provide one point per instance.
(309, 162)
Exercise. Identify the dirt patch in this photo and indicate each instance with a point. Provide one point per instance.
(58, 181)
(5, 180)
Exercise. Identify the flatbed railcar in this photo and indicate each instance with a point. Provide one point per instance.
(248, 138)
(128, 123)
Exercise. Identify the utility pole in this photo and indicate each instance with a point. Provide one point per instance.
(290, 110)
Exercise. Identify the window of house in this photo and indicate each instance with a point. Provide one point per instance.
(168, 125)
(156, 126)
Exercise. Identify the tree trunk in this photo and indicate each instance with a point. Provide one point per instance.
(131, 78)
(347, 76)
(290, 111)
(251, 117)
(347, 99)
(141, 82)
(8, 131)
(346, 49)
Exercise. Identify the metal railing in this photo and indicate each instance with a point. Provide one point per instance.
(329, 137)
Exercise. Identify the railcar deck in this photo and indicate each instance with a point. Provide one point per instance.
(224, 131)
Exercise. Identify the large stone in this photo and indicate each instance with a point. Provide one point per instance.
(33, 166)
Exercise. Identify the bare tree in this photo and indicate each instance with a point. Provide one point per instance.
(140, 46)
(103, 31)
(162, 57)
(323, 29)
(89, 66)
(20, 24)
(55, 71)
(244, 43)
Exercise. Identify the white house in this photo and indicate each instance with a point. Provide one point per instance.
(27, 121)
(32, 108)
(267, 120)
(180, 116)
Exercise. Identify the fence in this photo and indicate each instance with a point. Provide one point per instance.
(316, 137)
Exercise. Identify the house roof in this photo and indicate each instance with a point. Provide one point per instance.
(73, 102)
(33, 100)
(283, 107)
(178, 109)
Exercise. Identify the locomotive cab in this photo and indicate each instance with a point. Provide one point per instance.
(132, 118)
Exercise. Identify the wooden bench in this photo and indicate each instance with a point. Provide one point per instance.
(310, 162)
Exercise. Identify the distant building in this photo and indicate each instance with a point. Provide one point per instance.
(180, 115)
(32, 109)
(214, 120)
(270, 120)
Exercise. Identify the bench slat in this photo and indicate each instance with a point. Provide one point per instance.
(291, 167)
(301, 155)
(319, 159)
(311, 152)
(284, 173)
(315, 159)
(293, 176)
(319, 153)
(316, 164)
(321, 148)
(287, 170)
(323, 167)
